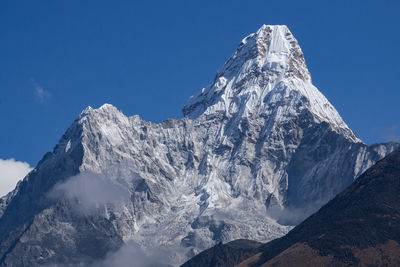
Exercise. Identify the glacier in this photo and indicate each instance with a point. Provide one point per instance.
(257, 151)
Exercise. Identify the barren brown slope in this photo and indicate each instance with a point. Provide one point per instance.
(224, 255)
(359, 227)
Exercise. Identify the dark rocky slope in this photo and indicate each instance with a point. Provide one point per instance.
(225, 255)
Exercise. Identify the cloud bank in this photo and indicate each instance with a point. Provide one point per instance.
(293, 216)
(89, 192)
(131, 254)
(11, 171)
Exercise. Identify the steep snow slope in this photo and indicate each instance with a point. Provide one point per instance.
(258, 150)
(267, 67)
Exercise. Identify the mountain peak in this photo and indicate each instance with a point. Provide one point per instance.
(272, 48)
(266, 76)
(105, 109)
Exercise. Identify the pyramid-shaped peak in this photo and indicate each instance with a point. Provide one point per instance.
(262, 60)
(271, 48)
(264, 30)
(276, 38)
(266, 76)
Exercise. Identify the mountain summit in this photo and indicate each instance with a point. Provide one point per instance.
(267, 68)
(257, 151)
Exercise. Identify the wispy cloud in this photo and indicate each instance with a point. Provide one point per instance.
(293, 216)
(131, 254)
(41, 94)
(11, 171)
(89, 192)
(392, 133)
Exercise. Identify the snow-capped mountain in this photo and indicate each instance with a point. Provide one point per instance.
(257, 151)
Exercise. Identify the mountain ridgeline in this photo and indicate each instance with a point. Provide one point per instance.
(257, 151)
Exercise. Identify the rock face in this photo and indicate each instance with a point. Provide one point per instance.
(359, 227)
(257, 151)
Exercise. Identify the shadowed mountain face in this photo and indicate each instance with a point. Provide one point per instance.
(225, 255)
(359, 227)
(258, 150)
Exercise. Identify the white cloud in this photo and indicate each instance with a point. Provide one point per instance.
(91, 192)
(41, 94)
(131, 254)
(11, 171)
(392, 133)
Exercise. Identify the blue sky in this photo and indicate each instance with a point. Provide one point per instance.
(149, 57)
